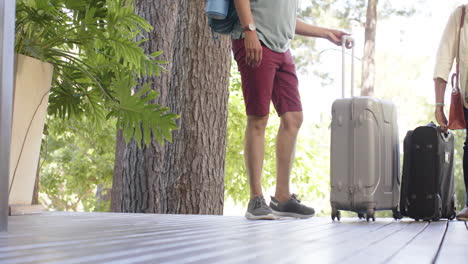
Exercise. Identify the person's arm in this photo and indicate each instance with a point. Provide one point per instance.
(307, 30)
(440, 86)
(447, 50)
(253, 47)
(445, 56)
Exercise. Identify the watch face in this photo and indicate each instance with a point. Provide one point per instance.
(252, 27)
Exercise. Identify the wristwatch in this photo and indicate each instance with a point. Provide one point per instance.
(250, 27)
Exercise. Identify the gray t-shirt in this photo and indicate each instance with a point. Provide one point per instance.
(275, 21)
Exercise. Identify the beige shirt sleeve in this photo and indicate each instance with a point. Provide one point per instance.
(447, 51)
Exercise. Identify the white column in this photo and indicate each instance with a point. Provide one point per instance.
(7, 34)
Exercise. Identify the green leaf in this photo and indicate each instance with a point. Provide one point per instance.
(75, 4)
(92, 45)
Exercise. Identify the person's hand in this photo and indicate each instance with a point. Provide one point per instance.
(336, 37)
(441, 118)
(253, 48)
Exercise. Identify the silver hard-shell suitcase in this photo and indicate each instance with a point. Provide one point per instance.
(364, 162)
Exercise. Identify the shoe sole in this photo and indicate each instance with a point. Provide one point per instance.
(295, 215)
(462, 218)
(260, 217)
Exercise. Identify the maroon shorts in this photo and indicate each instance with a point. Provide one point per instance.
(274, 80)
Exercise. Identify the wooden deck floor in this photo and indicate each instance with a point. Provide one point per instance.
(138, 238)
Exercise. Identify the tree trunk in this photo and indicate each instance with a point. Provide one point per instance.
(368, 62)
(187, 176)
(116, 193)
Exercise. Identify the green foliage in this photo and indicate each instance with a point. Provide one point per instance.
(159, 123)
(460, 191)
(355, 11)
(77, 165)
(92, 45)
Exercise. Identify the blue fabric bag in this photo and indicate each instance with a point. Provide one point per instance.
(222, 26)
(217, 9)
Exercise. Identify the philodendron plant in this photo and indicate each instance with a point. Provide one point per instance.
(94, 48)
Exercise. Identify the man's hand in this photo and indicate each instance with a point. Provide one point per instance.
(336, 36)
(253, 48)
(441, 118)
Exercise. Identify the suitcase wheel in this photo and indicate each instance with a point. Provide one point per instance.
(453, 210)
(438, 216)
(336, 214)
(439, 211)
(361, 216)
(396, 214)
(370, 215)
(452, 216)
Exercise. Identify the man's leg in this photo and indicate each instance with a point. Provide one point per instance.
(254, 152)
(285, 150)
(257, 86)
(283, 203)
(287, 102)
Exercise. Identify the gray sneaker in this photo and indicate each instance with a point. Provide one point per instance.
(259, 210)
(291, 208)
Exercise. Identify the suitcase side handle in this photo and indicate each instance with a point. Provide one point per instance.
(445, 136)
(347, 42)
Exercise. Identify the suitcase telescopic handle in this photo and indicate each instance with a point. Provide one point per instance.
(347, 42)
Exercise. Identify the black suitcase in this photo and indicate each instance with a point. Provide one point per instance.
(427, 188)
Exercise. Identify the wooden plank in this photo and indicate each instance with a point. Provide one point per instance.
(143, 238)
(131, 246)
(238, 237)
(424, 247)
(16, 210)
(334, 243)
(381, 250)
(454, 248)
(338, 251)
(85, 234)
(259, 237)
(260, 247)
(7, 38)
(92, 246)
(309, 243)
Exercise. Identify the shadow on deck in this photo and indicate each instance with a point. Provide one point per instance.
(57, 237)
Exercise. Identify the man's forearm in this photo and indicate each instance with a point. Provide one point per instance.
(440, 86)
(307, 30)
(244, 12)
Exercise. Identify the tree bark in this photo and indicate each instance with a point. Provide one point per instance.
(116, 193)
(368, 62)
(186, 176)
